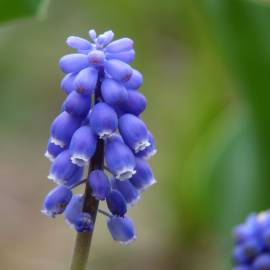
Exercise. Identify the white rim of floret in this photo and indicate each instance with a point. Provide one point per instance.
(134, 201)
(125, 173)
(79, 159)
(150, 154)
(128, 242)
(141, 145)
(70, 225)
(49, 156)
(149, 184)
(47, 213)
(57, 142)
(54, 178)
(105, 134)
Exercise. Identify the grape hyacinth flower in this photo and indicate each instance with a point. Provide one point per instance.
(252, 242)
(100, 128)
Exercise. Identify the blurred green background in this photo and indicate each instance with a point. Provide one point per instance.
(206, 65)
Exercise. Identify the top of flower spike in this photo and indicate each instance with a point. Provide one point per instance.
(113, 57)
(121, 49)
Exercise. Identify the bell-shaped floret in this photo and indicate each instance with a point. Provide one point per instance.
(143, 178)
(56, 201)
(84, 223)
(82, 146)
(105, 38)
(67, 83)
(134, 132)
(86, 81)
(121, 229)
(100, 184)
(72, 63)
(113, 92)
(78, 43)
(77, 104)
(103, 120)
(135, 81)
(62, 169)
(74, 209)
(116, 203)
(119, 159)
(119, 70)
(120, 45)
(63, 127)
(125, 56)
(53, 150)
(135, 103)
(150, 150)
(96, 57)
(130, 193)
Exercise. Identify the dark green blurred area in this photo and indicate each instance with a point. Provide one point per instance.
(206, 66)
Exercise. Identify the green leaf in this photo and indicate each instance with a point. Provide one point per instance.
(241, 32)
(10, 10)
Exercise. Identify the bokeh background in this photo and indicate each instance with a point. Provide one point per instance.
(206, 65)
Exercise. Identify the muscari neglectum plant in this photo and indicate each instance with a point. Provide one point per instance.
(99, 128)
(252, 243)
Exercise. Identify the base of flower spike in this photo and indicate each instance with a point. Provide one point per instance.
(151, 183)
(57, 142)
(126, 243)
(125, 173)
(80, 160)
(140, 146)
(49, 156)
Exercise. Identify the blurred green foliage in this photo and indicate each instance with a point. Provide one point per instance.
(10, 10)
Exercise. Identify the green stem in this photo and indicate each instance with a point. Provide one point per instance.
(83, 240)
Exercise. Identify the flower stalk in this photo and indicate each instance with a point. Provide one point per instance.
(90, 205)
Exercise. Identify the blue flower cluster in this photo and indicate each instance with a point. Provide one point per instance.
(103, 103)
(252, 243)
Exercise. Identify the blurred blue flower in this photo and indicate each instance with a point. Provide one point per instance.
(251, 244)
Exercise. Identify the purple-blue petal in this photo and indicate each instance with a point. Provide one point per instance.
(82, 146)
(134, 132)
(74, 62)
(119, 159)
(130, 193)
(100, 184)
(121, 229)
(113, 92)
(119, 70)
(103, 120)
(62, 169)
(126, 56)
(136, 80)
(67, 83)
(77, 104)
(56, 201)
(63, 127)
(135, 103)
(116, 203)
(143, 178)
(119, 45)
(78, 43)
(86, 81)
